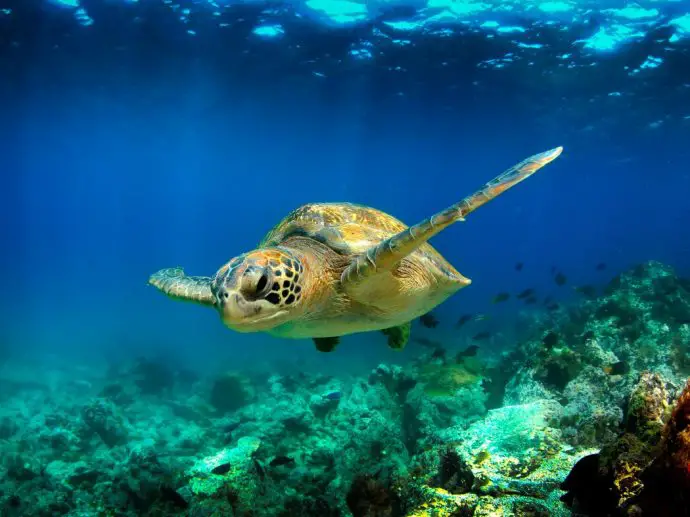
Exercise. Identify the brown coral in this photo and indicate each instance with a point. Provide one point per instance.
(446, 379)
(677, 439)
(638, 445)
(230, 392)
(370, 496)
(667, 479)
(629, 474)
(647, 407)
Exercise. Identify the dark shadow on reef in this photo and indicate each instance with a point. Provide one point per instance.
(646, 470)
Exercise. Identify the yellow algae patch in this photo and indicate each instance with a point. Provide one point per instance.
(445, 380)
(441, 503)
(627, 481)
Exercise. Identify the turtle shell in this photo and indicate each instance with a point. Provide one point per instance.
(346, 228)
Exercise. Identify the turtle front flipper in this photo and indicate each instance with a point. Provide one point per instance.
(173, 282)
(387, 254)
(398, 336)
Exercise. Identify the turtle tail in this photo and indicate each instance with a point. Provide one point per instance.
(173, 282)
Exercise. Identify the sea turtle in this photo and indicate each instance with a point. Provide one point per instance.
(331, 269)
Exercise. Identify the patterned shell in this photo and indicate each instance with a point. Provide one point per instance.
(346, 228)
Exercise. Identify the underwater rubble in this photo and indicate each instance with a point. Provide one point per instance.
(589, 416)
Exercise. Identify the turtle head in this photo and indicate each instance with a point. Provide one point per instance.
(259, 290)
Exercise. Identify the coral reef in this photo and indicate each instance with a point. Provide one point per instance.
(645, 471)
(636, 326)
(583, 415)
(230, 392)
(371, 497)
(666, 481)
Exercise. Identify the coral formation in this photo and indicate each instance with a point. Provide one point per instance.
(645, 471)
(666, 481)
(371, 497)
(582, 415)
(230, 392)
(676, 439)
(454, 475)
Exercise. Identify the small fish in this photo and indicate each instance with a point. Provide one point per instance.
(587, 290)
(463, 319)
(553, 307)
(579, 480)
(601, 266)
(525, 294)
(560, 279)
(518, 266)
(428, 320)
(501, 297)
(224, 468)
(282, 460)
(481, 317)
(333, 395)
(619, 368)
(439, 353)
(588, 335)
(550, 340)
(531, 300)
(481, 457)
(481, 336)
(232, 426)
(470, 351)
(405, 385)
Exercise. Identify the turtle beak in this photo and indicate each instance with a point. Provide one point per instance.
(246, 316)
(232, 306)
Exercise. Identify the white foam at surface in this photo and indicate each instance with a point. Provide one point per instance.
(603, 26)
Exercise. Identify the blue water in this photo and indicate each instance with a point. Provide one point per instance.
(137, 137)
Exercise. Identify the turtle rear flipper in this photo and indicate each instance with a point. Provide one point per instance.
(387, 254)
(173, 282)
(398, 336)
(326, 344)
